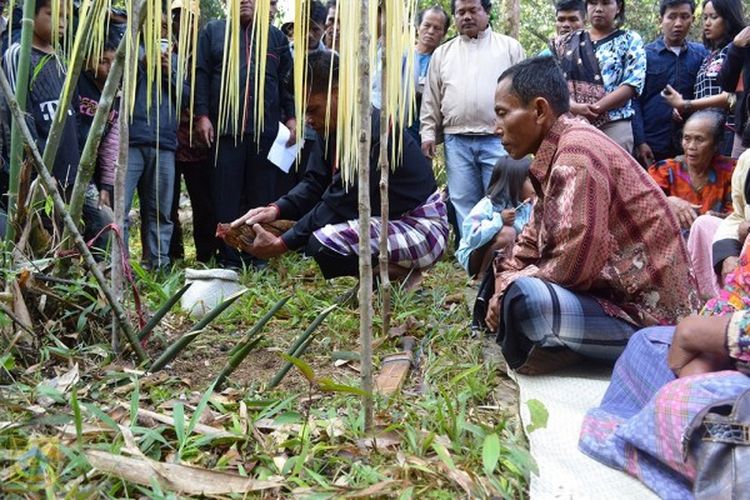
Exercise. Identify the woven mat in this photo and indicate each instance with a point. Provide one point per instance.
(565, 472)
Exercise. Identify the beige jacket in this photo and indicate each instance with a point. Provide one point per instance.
(726, 239)
(459, 95)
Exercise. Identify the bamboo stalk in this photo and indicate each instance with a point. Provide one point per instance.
(163, 310)
(71, 82)
(122, 160)
(51, 186)
(172, 351)
(91, 148)
(22, 90)
(365, 252)
(261, 323)
(235, 361)
(300, 346)
(385, 282)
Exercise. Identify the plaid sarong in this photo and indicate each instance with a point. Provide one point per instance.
(640, 424)
(416, 240)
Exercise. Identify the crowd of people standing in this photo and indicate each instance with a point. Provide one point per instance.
(595, 190)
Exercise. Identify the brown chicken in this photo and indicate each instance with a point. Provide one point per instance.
(242, 237)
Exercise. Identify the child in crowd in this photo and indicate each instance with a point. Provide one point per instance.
(97, 207)
(495, 222)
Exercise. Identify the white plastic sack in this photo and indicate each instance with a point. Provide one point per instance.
(209, 288)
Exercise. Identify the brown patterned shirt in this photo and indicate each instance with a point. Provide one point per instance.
(602, 226)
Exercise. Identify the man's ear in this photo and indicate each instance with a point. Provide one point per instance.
(542, 109)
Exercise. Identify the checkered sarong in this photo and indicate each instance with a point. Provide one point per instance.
(416, 240)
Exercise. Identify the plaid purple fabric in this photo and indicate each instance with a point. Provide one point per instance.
(416, 240)
(640, 424)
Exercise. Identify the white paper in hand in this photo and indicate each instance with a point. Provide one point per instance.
(280, 155)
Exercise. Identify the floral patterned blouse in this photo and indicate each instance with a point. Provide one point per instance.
(738, 340)
(622, 61)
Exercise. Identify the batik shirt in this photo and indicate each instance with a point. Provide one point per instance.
(622, 61)
(601, 226)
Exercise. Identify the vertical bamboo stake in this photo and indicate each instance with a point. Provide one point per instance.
(385, 282)
(365, 252)
(99, 123)
(130, 58)
(22, 88)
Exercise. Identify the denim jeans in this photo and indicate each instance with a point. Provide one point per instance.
(151, 171)
(469, 161)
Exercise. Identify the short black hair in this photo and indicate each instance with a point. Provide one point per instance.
(620, 17)
(322, 65)
(318, 12)
(539, 77)
(40, 4)
(438, 9)
(486, 5)
(731, 12)
(665, 4)
(717, 119)
(568, 5)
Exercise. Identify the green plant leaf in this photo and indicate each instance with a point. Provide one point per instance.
(443, 454)
(7, 361)
(305, 369)
(199, 409)
(178, 414)
(328, 385)
(539, 415)
(490, 453)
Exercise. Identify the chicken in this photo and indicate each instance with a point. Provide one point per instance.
(242, 237)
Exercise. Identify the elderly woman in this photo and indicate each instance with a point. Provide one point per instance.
(606, 68)
(665, 378)
(699, 189)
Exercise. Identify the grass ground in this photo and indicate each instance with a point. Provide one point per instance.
(452, 431)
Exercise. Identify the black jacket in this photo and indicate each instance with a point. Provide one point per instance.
(321, 198)
(145, 125)
(279, 102)
(737, 59)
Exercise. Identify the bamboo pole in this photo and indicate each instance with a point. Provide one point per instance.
(91, 148)
(16, 141)
(71, 82)
(365, 252)
(122, 160)
(385, 282)
(51, 186)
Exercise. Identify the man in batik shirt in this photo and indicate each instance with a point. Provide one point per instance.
(602, 255)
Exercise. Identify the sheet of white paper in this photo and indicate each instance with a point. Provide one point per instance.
(280, 155)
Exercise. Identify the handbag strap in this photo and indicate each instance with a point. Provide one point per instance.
(720, 429)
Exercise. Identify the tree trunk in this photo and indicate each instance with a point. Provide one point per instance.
(365, 252)
(22, 89)
(513, 18)
(385, 282)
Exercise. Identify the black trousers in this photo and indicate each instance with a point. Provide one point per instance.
(198, 183)
(243, 178)
(333, 264)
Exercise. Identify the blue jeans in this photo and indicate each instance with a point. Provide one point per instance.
(151, 171)
(469, 161)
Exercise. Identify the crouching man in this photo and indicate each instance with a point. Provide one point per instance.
(326, 211)
(602, 255)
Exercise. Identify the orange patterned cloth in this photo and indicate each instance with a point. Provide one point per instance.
(602, 226)
(673, 177)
